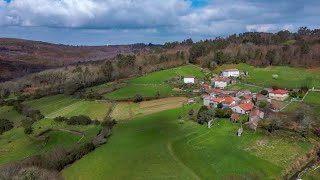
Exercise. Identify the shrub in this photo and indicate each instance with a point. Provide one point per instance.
(28, 130)
(109, 122)
(79, 120)
(264, 92)
(137, 98)
(27, 122)
(60, 119)
(5, 125)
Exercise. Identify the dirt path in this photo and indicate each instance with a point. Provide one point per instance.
(169, 146)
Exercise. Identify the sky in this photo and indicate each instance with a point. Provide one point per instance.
(105, 22)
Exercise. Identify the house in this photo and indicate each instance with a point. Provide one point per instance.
(261, 97)
(245, 99)
(213, 102)
(243, 108)
(256, 115)
(188, 79)
(234, 117)
(231, 73)
(221, 82)
(279, 95)
(214, 92)
(243, 93)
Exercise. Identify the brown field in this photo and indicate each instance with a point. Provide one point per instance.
(128, 110)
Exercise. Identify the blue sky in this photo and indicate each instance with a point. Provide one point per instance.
(97, 22)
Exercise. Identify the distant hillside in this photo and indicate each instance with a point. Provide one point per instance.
(20, 57)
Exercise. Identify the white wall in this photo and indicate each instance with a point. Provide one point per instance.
(230, 73)
(220, 84)
(188, 80)
(279, 97)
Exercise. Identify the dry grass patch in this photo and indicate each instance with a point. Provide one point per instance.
(129, 110)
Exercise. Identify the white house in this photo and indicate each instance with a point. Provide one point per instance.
(278, 94)
(221, 83)
(243, 108)
(231, 73)
(188, 79)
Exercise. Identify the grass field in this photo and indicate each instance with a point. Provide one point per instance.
(15, 145)
(7, 112)
(149, 84)
(146, 90)
(313, 99)
(312, 175)
(157, 146)
(244, 87)
(288, 77)
(61, 105)
(292, 107)
(128, 110)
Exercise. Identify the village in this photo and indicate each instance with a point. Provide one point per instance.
(250, 107)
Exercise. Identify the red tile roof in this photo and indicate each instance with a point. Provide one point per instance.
(235, 116)
(221, 79)
(279, 91)
(228, 100)
(247, 96)
(231, 70)
(246, 107)
(204, 85)
(255, 113)
(217, 100)
(218, 90)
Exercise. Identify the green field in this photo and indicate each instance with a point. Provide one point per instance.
(149, 84)
(288, 77)
(7, 112)
(61, 105)
(236, 87)
(313, 99)
(15, 145)
(146, 90)
(157, 146)
(312, 175)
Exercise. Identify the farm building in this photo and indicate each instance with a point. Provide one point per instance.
(231, 73)
(243, 108)
(279, 94)
(213, 102)
(256, 115)
(245, 99)
(188, 79)
(261, 97)
(221, 82)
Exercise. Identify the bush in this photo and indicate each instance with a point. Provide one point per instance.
(264, 92)
(28, 130)
(137, 98)
(5, 125)
(79, 120)
(96, 122)
(60, 119)
(109, 122)
(27, 122)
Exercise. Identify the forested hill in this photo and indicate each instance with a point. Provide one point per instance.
(20, 57)
(301, 48)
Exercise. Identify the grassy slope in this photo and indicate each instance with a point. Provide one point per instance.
(15, 145)
(61, 105)
(7, 112)
(244, 87)
(149, 84)
(288, 76)
(313, 99)
(158, 147)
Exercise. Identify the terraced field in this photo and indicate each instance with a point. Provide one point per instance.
(61, 105)
(158, 146)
